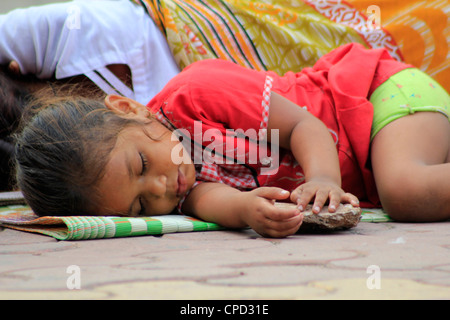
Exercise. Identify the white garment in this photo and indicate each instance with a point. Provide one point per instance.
(83, 37)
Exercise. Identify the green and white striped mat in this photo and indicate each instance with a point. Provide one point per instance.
(21, 217)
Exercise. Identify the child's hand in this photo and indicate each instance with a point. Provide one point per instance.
(266, 219)
(322, 191)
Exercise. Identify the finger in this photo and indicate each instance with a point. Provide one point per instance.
(319, 201)
(286, 224)
(350, 198)
(281, 234)
(305, 198)
(282, 214)
(335, 200)
(276, 229)
(272, 193)
(295, 195)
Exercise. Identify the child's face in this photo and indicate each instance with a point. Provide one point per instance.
(140, 177)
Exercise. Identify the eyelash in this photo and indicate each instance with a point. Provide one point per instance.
(144, 163)
(144, 169)
(142, 211)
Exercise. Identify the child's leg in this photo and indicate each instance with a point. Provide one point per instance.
(411, 165)
(411, 147)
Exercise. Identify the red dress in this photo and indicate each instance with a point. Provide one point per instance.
(226, 97)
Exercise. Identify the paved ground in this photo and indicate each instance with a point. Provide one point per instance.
(371, 261)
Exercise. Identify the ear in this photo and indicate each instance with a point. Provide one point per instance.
(125, 106)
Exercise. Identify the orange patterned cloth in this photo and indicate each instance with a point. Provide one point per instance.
(420, 29)
(285, 35)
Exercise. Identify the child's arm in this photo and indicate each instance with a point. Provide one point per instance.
(232, 208)
(314, 149)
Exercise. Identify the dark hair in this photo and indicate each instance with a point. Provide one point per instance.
(61, 153)
(13, 97)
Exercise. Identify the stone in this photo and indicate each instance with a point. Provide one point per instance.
(346, 216)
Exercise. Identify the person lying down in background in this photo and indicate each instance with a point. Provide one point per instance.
(76, 42)
(351, 129)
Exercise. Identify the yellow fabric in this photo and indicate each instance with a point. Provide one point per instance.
(284, 35)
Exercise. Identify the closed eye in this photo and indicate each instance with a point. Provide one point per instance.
(144, 163)
(142, 211)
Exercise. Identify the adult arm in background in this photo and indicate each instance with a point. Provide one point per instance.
(114, 44)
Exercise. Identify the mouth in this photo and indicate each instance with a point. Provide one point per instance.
(182, 185)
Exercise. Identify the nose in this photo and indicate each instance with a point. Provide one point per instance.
(156, 185)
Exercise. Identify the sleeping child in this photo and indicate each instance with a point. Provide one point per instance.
(221, 142)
